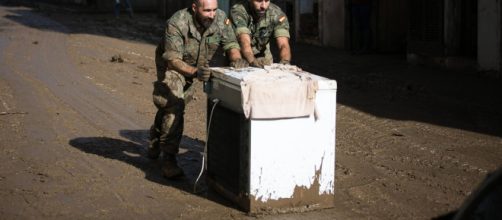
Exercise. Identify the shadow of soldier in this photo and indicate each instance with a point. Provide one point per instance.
(133, 152)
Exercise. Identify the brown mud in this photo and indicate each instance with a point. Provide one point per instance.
(412, 142)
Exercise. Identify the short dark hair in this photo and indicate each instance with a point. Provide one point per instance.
(196, 2)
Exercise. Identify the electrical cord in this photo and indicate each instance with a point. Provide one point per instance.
(204, 155)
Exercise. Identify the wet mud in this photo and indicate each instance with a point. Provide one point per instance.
(412, 142)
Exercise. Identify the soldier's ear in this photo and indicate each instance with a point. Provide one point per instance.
(194, 7)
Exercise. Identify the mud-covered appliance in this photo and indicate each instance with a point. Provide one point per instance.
(270, 165)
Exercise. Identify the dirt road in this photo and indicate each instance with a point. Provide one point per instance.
(412, 142)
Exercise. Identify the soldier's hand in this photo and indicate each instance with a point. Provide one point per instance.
(285, 62)
(260, 62)
(239, 63)
(203, 73)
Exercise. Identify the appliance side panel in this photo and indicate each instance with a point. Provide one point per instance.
(325, 133)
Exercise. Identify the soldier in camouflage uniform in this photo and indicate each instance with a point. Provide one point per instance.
(255, 23)
(191, 37)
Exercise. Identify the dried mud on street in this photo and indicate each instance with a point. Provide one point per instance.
(75, 106)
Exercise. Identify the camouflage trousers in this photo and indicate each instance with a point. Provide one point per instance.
(171, 92)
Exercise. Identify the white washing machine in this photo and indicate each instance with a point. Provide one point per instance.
(275, 164)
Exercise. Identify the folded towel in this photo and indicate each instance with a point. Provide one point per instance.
(283, 91)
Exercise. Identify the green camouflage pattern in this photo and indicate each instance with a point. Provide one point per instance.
(172, 91)
(169, 98)
(274, 24)
(183, 41)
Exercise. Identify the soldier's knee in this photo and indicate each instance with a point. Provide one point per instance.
(154, 131)
(160, 95)
(176, 109)
(169, 105)
(169, 92)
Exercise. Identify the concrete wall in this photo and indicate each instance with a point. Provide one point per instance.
(452, 27)
(489, 34)
(306, 6)
(390, 25)
(166, 8)
(332, 23)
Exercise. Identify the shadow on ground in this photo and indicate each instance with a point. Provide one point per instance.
(142, 28)
(133, 151)
(387, 86)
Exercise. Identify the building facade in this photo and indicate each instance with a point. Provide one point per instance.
(450, 33)
(458, 34)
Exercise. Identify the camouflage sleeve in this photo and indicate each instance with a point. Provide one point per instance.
(239, 18)
(174, 42)
(282, 25)
(228, 39)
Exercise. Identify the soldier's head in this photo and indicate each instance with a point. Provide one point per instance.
(259, 7)
(205, 11)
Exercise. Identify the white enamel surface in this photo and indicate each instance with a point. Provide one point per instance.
(235, 76)
(286, 154)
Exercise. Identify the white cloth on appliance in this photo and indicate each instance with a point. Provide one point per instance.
(283, 91)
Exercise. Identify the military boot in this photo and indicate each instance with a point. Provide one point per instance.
(153, 148)
(170, 168)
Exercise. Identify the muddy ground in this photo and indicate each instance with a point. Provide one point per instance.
(412, 142)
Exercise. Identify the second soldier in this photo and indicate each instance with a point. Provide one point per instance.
(256, 22)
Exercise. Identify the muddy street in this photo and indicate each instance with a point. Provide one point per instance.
(75, 89)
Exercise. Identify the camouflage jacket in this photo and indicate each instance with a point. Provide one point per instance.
(274, 24)
(183, 41)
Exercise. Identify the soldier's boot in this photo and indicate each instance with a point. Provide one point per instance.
(153, 151)
(153, 148)
(170, 168)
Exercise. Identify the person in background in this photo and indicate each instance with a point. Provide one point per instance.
(361, 13)
(256, 22)
(127, 6)
(191, 38)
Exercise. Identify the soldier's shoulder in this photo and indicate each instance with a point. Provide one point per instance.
(239, 13)
(277, 15)
(221, 14)
(221, 18)
(180, 16)
(275, 9)
(238, 8)
(238, 5)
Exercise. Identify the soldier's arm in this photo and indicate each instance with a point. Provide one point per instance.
(181, 67)
(229, 42)
(245, 43)
(239, 18)
(175, 46)
(234, 54)
(284, 49)
(281, 34)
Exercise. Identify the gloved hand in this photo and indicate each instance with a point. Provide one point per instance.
(203, 73)
(260, 62)
(285, 62)
(239, 63)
